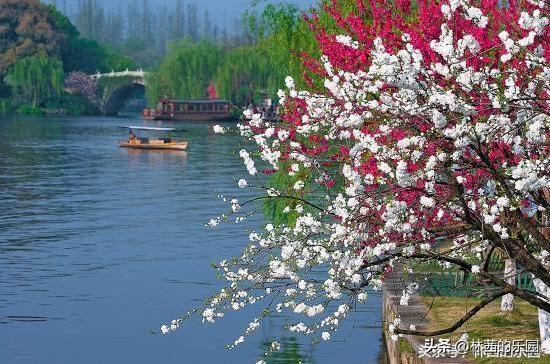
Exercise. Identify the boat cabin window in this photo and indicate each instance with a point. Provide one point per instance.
(173, 106)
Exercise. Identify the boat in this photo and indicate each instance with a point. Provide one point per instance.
(168, 143)
(190, 110)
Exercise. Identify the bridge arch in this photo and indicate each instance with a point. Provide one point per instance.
(117, 98)
(116, 87)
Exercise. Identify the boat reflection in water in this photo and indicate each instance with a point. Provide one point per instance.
(156, 156)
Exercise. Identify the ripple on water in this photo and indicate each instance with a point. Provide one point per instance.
(99, 245)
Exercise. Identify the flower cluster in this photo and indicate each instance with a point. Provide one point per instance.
(81, 83)
(429, 141)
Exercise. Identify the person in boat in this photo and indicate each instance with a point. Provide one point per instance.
(132, 137)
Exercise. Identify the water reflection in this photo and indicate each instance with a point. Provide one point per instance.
(291, 352)
(156, 157)
(100, 244)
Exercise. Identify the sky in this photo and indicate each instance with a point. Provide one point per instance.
(219, 9)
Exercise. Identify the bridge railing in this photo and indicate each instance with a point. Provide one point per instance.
(139, 73)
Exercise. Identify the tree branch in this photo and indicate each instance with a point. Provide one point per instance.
(457, 324)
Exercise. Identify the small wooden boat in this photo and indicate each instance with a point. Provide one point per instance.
(156, 144)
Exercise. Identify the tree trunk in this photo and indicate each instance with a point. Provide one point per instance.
(544, 317)
(510, 271)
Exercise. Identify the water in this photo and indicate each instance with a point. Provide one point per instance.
(100, 245)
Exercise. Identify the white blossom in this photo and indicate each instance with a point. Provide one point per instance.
(219, 129)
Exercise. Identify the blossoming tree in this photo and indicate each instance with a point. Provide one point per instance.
(429, 143)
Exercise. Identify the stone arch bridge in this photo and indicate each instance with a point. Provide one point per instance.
(115, 88)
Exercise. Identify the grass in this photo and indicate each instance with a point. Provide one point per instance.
(489, 323)
(405, 346)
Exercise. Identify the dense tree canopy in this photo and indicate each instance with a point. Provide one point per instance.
(245, 75)
(27, 27)
(83, 54)
(186, 71)
(89, 56)
(37, 45)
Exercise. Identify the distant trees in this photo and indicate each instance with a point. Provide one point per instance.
(192, 22)
(85, 54)
(252, 64)
(39, 44)
(34, 79)
(177, 21)
(144, 32)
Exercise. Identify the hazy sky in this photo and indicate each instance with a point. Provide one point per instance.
(219, 9)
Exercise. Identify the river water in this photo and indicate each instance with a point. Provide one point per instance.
(100, 245)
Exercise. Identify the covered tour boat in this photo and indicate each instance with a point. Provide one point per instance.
(167, 143)
(190, 110)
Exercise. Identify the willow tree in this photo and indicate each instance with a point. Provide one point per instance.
(246, 76)
(36, 78)
(186, 71)
(284, 33)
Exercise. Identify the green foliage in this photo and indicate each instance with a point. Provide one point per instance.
(274, 207)
(71, 105)
(282, 181)
(499, 321)
(35, 78)
(27, 109)
(63, 23)
(115, 61)
(141, 52)
(27, 28)
(35, 54)
(241, 75)
(5, 106)
(248, 73)
(281, 31)
(185, 72)
(245, 75)
(88, 56)
(83, 55)
(284, 35)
